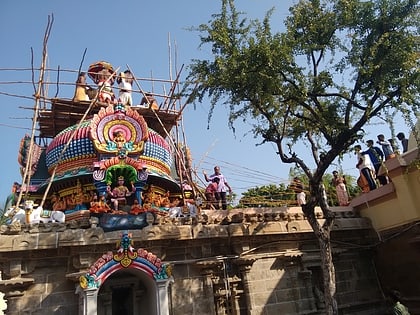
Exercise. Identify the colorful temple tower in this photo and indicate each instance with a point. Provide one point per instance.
(105, 156)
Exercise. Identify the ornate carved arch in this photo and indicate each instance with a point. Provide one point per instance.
(125, 257)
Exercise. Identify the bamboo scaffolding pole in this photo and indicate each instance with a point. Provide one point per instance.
(173, 86)
(178, 154)
(38, 89)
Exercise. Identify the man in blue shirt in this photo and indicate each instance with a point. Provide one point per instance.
(376, 156)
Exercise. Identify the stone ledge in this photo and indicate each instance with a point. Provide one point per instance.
(372, 195)
(207, 217)
(95, 236)
(15, 286)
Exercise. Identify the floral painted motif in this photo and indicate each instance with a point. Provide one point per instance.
(126, 256)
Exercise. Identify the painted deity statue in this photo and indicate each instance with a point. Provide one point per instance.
(120, 193)
(119, 142)
(99, 206)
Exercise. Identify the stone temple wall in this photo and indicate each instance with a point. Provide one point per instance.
(254, 261)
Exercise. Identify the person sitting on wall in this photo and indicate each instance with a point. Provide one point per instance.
(386, 147)
(13, 197)
(222, 188)
(376, 157)
(120, 193)
(339, 182)
(175, 208)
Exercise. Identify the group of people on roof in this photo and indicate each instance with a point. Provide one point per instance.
(104, 79)
(370, 161)
(370, 165)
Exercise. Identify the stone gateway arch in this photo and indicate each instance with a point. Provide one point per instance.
(127, 281)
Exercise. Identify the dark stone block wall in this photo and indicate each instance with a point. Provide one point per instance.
(236, 268)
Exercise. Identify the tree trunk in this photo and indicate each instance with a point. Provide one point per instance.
(328, 272)
(323, 234)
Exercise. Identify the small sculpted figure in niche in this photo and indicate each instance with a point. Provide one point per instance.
(58, 203)
(120, 193)
(99, 206)
(165, 201)
(136, 208)
(119, 142)
(79, 198)
(119, 139)
(70, 202)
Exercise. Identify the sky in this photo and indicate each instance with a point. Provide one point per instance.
(147, 36)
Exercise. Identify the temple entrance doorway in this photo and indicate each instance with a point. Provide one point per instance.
(128, 292)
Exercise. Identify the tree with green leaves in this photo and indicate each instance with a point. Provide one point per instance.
(267, 196)
(281, 195)
(338, 65)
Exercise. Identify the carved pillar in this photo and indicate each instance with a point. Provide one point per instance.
(220, 305)
(306, 276)
(236, 309)
(162, 295)
(208, 271)
(235, 296)
(245, 265)
(89, 300)
(106, 301)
